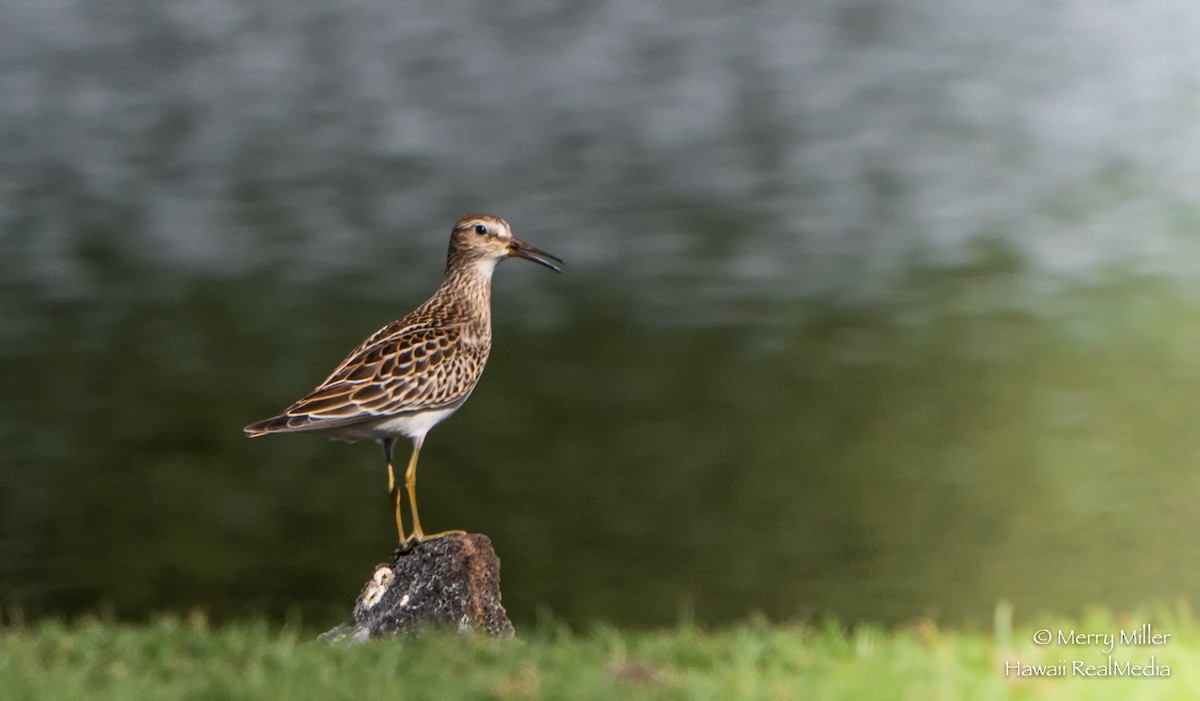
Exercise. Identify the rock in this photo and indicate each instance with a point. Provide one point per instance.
(451, 582)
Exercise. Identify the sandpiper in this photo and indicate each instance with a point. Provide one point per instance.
(415, 372)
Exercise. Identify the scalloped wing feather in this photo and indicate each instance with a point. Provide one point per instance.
(399, 369)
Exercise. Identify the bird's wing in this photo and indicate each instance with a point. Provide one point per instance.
(398, 369)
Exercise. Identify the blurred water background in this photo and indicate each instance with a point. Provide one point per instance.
(876, 309)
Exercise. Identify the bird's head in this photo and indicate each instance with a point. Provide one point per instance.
(488, 240)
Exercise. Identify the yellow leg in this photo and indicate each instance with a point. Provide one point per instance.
(410, 482)
(393, 488)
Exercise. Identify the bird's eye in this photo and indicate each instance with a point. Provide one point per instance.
(480, 229)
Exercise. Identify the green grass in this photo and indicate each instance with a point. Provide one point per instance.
(175, 659)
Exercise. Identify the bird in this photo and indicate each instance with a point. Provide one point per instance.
(415, 372)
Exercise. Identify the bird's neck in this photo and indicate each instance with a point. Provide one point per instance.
(467, 289)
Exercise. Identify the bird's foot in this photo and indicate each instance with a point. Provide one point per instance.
(417, 538)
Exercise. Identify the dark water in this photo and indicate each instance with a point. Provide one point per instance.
(874, 310)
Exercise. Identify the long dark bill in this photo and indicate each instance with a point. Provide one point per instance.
(521, 249)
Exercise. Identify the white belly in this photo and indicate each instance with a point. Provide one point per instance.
(411, 425)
